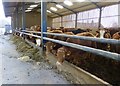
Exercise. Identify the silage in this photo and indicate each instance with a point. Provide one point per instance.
(26, 49)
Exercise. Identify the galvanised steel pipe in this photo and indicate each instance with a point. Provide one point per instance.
(43, 21)
(23, 16)
(101, 40)
(107, 54)
(29, 34)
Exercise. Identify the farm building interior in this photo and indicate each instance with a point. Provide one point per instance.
(81, 37)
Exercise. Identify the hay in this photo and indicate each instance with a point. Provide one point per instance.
(24, 58)
(22, 47)
(16, 40)
(30, 53)
(26, 49)
(38, 56)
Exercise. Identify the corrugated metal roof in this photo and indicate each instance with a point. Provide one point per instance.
(9, 7)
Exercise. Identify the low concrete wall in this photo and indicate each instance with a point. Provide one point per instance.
(81, 75)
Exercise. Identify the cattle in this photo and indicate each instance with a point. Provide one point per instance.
(31, 38)
(52, 47)
(78, 31)
(116, 48)
(54, 50)
(113, 30)
(103, 33)
(72, 54)
(67, 29)
(116, 36)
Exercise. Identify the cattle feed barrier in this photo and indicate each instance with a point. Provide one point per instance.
(101, 40)
(107, 54)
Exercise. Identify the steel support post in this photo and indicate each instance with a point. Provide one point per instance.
(12, 23)
(23, 16)
(43, 22)
(17, 18)
(76, 16)
(61, 21)
(100, 15)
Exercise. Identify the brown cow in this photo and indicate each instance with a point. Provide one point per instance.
(52, 47)
(54, 50)
(71, 54)
(103, 33)
(31, 38)
(116, 48)
(116, 36)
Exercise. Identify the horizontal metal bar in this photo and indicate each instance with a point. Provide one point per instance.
(95, 4)
(107, 54)
(101, 40)
(29, 34)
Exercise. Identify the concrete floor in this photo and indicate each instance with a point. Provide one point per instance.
(14, 71)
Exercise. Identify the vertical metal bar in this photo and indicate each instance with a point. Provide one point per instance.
(23, 15)
(43, 22)
(76, 20)
(12, 24)
(17, 17)
(119, 15)
(61, 21)
(100, 15)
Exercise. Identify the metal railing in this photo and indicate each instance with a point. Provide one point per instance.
(107, 54)
(101, 40)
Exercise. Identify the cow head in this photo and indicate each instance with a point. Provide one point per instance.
(50, 46)
(102, 32)
(38, 42)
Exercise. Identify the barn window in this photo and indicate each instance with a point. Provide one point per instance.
(88, 19)
(69, 21)
(56, 22)
(110, 16)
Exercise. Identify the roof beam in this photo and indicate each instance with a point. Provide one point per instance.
(65, 7)
(19, 5)
(95, 4)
